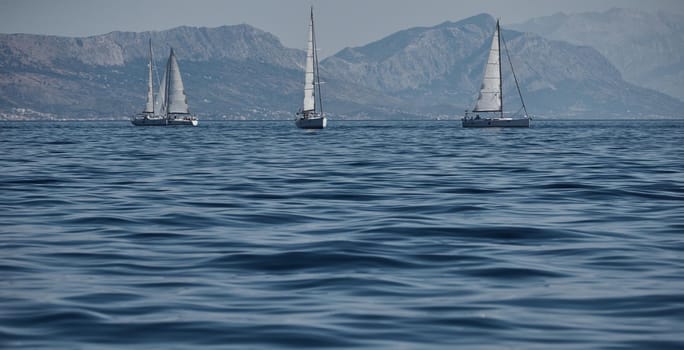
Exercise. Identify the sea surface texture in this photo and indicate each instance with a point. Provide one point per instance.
(365, 235)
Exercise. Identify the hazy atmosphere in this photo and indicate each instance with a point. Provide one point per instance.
(340, 23)
(386, 174)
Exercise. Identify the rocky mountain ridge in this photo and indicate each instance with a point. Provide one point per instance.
(440, 68)
(647, 48)
(244, 73)
(238, 42)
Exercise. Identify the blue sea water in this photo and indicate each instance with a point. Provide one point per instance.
(366, 235)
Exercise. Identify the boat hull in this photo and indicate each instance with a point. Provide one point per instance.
(183, 121)
(311, 123)
(187, 121)
(495, 123)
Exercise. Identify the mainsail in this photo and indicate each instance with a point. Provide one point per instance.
(309, 85)
(489, 99)
(160, 103)
(149, 107)
(176, 100)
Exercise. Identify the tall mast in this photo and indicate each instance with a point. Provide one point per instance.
(149, 106)
(498, 32)
(309, 102)
(168, 84)
(317, 73)
(151, 84)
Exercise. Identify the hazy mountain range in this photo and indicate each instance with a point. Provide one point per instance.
(225, 70)
(439, 70)
(647, 48)
(243, 72)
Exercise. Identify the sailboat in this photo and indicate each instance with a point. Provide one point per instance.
(490, 99)
(171, 106)
(309, 117)
(148, 113)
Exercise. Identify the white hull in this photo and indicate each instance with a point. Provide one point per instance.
(311, 123)
(496, 123)
(188, 121)
(157, 121)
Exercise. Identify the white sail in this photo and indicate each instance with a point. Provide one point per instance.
(309, 88)
(489, 99)
(149, 107)
(170, 107)
(160, 102)
(176, 100)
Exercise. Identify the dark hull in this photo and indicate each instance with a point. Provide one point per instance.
(311, 123)
(190, 121)
(496, 123)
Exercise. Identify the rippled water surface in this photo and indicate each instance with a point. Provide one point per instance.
(369, 235)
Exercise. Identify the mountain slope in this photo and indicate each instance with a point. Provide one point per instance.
(242, 72)
(438, 70)
(234, 71)
(226, 70)
(647, 48)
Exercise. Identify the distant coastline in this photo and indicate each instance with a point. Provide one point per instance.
(240, 72)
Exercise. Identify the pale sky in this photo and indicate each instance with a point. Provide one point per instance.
(339, 23)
